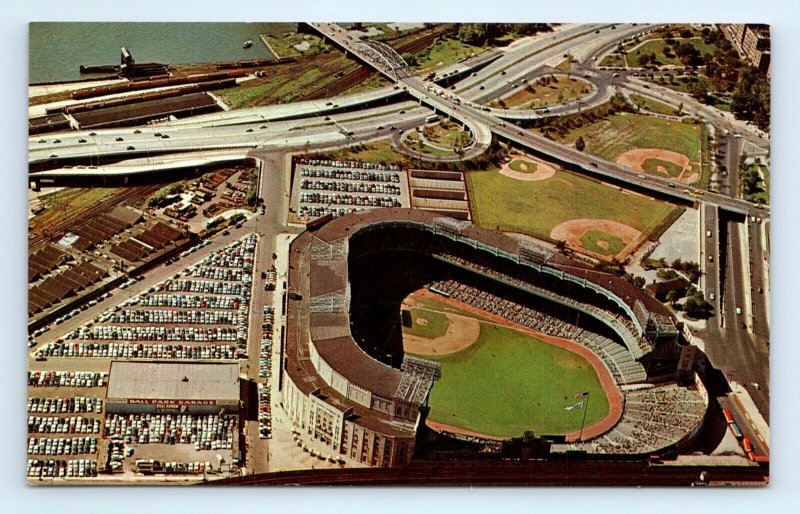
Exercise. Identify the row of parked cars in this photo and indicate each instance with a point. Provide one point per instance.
(214, 273)
(206, 287)
(149, 466)
(75, 312)
(74, 404)
(194, 248)
(56, 425)
(60, 468)
(184, 316)
(350, 164)
(349, 187)
(267, 327)
(264, 411)
(360, 176)
(206, 432)
(67, 378)
(316, 211)
(347, 199)
(138, 333)
(190, 301)
(62, 446)
(139, 351)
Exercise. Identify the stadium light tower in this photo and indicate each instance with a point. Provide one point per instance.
(585, 395)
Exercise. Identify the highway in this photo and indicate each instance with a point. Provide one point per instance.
(480, 121)
(143, 140)
(731, 347)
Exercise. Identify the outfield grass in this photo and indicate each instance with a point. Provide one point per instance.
(560, 90)
(516, 165)
(444, 52)
(435, 324)
(612, 136)
(653, 165)
(653, 105)
(502, 203)
(592, 238)
(509, 382)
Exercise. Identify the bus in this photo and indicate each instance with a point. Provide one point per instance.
(432, 118)
(736, 431)
(728, 416)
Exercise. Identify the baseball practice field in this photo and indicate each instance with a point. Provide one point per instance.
(552, 204)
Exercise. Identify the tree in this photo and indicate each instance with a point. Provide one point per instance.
(580, 144)
(474, 33)
(751, 98)
(696, 305)
(561, 245)
(644, 59)
(409, 58)
(698, 89)
(672, 296)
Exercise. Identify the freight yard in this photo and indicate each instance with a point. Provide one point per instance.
(224, 258)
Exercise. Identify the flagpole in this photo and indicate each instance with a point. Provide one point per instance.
(585, 408)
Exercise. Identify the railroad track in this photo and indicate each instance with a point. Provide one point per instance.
(126, 196)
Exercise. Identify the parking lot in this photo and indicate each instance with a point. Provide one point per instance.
(199, 313)
(324, 186)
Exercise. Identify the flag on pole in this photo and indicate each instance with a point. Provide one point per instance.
(583, 394)
(578, 405)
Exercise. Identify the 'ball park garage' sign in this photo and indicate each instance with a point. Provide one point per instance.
(170, 404)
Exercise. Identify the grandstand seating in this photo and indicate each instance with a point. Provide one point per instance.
(652, 419)
(618, 358)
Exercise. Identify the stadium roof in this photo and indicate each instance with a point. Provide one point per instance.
(174, 381)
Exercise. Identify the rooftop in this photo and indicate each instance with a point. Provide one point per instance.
(174, 381)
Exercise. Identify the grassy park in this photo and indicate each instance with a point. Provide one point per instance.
(557, 89)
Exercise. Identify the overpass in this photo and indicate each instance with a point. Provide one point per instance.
(484, 124)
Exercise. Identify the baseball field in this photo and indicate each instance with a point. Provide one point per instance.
(500, 381)
(664, 147)
(563, 206)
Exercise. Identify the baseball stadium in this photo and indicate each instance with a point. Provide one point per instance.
(406, 327)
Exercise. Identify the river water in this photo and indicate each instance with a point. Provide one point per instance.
(58, 49)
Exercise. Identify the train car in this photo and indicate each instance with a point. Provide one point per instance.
(728, 416)
(736, 431)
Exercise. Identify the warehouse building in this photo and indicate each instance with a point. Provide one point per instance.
(173, 387)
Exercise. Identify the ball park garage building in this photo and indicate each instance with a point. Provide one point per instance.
(173, 387)
(347, 382)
